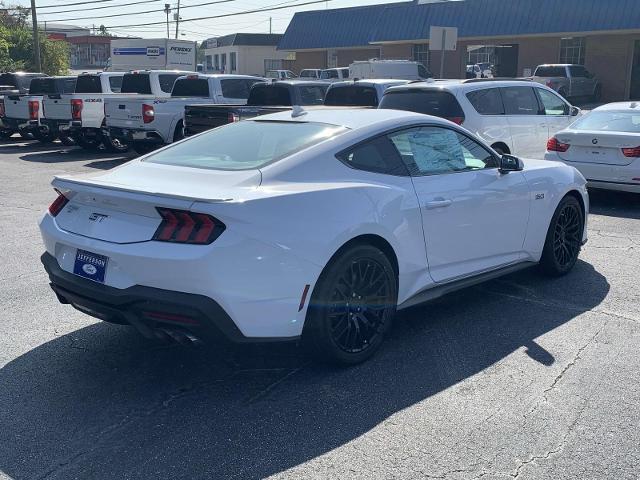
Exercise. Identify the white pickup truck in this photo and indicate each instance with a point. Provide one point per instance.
(23, 113)
(80, 115)
(147, 123)
(16, 83)
(138, 87)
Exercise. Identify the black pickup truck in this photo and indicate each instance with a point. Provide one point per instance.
(263, 98)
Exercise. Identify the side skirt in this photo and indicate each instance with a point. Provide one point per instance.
(439, 290)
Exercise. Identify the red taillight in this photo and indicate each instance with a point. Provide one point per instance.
(233, 117)
(147, 113)
(34, 109)
(456, 120)
(553, 145)
(76, 108)
(1, 107)
(58, 204)
(631, 152)
(181, 226)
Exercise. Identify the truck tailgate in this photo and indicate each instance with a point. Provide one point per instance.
(18, 106)
(56, 107)
(126, 112)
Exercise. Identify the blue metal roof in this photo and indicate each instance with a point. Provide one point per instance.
(359, 26)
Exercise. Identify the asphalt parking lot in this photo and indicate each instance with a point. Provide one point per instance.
(522, 377)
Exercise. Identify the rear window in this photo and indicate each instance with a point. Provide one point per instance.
(486, 101)
(8, 80)
(227, 148)
(308, 74)
(352, 96)
(44, 86)
(270, 95)
(326, 74)
(136, 83)
(429, 102)
(167, 80)
(88, 84)
(312, 95)
(550, 72)
(628, 122)
(187, 87)
(237, 88)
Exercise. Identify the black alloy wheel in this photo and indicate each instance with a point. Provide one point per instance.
(564, 238)
(352, 306)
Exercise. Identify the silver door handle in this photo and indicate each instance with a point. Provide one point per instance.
(437, 204)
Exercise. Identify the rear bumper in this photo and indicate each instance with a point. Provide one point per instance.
(130, 135)
(20, 124)
(146, 308)
(55, 125)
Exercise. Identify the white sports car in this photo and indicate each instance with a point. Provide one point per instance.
(604, 146)
(316, 225)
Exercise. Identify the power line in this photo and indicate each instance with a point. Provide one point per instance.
(100, 8)
(246, 12)
(137, 13)
(74, 4)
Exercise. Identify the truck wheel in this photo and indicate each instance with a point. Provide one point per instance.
(27, 135)
(143, 148)
(88, 141)
(45, 137)
(5, 134)
(178, 133)
(67, 141)
(114, 145)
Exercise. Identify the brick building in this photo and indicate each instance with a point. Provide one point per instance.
(513, 35)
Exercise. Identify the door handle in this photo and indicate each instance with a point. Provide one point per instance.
(438, 203)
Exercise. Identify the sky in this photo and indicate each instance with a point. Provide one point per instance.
(194, 30)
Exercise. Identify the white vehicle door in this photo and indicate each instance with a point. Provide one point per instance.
(474, 217)
(556, 111)
(529, 130)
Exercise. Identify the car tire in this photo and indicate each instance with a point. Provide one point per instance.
(67, 141)
(352, 306)
(88, 142)
(143, 148)
(564, 238)
(114, 145)
(178, 134)
(26, 134)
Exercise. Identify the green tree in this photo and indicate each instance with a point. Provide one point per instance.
(54, 55)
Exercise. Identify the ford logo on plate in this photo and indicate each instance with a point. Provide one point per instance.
(89, 269)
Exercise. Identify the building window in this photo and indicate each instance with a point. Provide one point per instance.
(421, 54)
(481, 54)
(216, 62)
(572, 50)
(233, 61)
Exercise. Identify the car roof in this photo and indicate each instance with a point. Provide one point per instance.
(295, 81)
(370, 81)
(629, 106)
(455, 85)
(347, 117)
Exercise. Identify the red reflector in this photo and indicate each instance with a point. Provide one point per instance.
(148, 113)
(58, 204)
(76, 108)
(181, 226)
(34, 109)
(553, 145)
(631, 152)
(171, 317)
(456, 120)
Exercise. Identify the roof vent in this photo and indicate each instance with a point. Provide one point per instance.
(298, 111)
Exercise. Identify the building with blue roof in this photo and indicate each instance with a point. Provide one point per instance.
(513, 35)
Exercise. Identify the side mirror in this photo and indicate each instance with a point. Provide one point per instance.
(575, 111)
(510, 163)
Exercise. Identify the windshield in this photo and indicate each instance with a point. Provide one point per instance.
(226, 148)
(308, 74)
(550, 72)
(628, 122)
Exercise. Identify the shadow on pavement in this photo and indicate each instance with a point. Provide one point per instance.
(614, 204)
(103, 403)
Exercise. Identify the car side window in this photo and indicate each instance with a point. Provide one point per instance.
(115, 83)
(437, 151)
(578, 71)
(166, 82)
(519, 101)
(552, 103)
(377, 155)
(487, 101)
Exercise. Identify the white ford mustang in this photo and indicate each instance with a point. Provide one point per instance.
(317, 224)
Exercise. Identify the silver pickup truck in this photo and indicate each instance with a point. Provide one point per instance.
(570, 81)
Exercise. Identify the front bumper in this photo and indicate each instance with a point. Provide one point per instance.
(146, 308)
(129, 135)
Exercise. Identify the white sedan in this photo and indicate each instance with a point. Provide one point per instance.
(604, 145)
(316, 225)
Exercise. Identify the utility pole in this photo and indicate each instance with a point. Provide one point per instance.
(36, 37)
(177, 19)
(270, 24)
(167, 9)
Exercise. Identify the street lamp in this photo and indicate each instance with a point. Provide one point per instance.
(167, 10)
